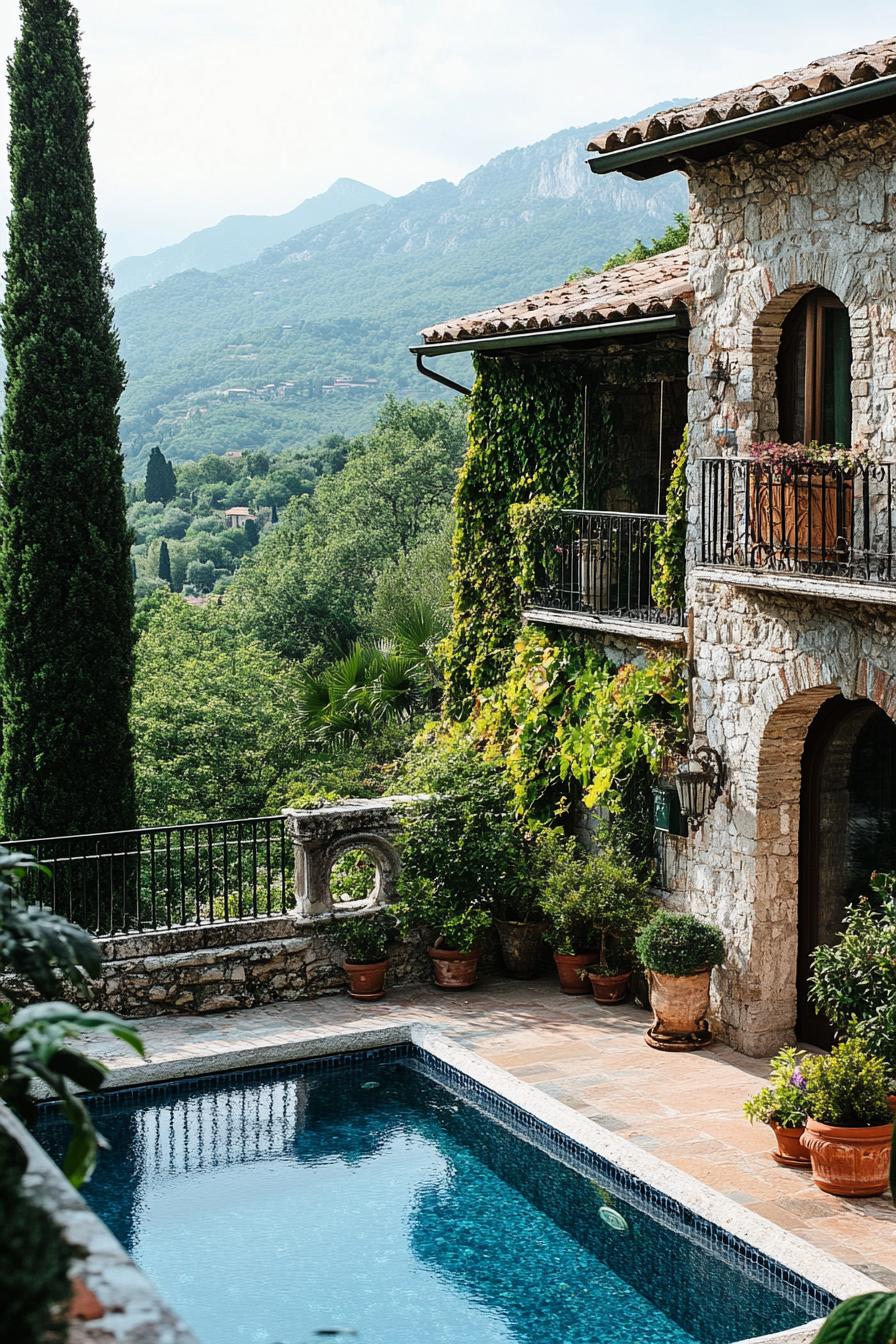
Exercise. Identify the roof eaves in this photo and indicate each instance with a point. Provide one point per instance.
(564, 335)
(649, 158)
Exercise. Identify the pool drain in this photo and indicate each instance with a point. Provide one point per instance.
(612, 1219)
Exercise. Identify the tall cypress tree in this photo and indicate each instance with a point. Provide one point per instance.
(161, 483)
(164, 562)
(66, 597)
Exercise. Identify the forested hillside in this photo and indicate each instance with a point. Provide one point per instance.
(318, 661)
(310, 337)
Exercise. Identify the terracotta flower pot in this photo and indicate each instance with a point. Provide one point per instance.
(790, 1152)
(680, 1004)
(847, 1161)
(454, 970)
(366, 978)
(610, 988)
(569, 969)
(522, 948)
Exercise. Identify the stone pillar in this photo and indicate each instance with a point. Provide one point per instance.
(321, 835)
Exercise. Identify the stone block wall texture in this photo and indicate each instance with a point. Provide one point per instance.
(766, 226)
(242, 964)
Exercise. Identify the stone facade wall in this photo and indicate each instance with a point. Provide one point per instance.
(217, 967)
(766, 227)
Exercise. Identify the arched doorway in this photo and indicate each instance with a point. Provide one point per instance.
(847, 828)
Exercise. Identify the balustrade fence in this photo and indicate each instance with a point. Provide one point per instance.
(600, 563)
(827, 520)
(165, 876)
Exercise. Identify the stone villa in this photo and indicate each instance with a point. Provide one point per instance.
(777, 322)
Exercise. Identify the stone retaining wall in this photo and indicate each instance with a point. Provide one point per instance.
(217, 967)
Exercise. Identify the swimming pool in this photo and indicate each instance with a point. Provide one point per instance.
(380, 1196)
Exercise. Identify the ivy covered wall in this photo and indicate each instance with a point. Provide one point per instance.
(527, 423)
(525, 440)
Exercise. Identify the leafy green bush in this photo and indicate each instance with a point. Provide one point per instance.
(676, 944)
(667, 579)
(596, 901)
(867, 1319)
(848, 1087)
(464, 854)
(34, 1268)
(784, 1099)
(565, 719)
(853, 982)
(366, 938)
(34, 1041)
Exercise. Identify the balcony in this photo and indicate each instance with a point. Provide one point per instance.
(596, 573)
(828, 530)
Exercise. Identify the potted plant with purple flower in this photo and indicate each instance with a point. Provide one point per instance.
(782, 1106)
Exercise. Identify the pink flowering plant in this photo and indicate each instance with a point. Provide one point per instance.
(786, 460)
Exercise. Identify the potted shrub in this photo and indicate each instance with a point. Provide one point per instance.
(365, 940)
(614, 896)
(853, 981)
(849, 1130)
(455, 927)
(521, 928)
(570, 931)
(782, 1106)
(463, 854)
(678, 953)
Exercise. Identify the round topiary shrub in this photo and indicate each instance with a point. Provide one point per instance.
(674, 944)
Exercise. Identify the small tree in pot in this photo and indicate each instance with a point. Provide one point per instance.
(570, 929)
(853, 981)
(782, 1106)
(595, 904)
(365, 941)
(463, 855)
(849, 1132)
(678, 952)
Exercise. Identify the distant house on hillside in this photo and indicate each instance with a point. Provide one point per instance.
(238, 517)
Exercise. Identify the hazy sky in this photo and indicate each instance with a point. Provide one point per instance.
(213, 107)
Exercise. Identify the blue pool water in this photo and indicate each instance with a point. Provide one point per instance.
(366, 1200)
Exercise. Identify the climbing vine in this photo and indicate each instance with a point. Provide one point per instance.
(525, 437)
(669, 537)
(564, 717)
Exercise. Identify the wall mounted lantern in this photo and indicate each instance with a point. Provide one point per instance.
(699, 782)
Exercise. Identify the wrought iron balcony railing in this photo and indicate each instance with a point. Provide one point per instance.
(601, 564)
(829, 521)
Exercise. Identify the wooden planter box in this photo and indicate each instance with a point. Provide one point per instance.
(806, 520)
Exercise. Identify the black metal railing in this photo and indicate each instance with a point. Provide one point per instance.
(828, 520)
(600, 563)
(164, 877)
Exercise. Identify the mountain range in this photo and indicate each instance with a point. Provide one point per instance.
(307, 338)
(241, 237)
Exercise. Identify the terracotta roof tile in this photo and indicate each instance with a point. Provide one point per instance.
(648, 288)
(823, 76)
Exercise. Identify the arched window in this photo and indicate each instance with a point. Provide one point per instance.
(814, 393)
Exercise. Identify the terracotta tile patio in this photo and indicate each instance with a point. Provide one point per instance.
(685, 1109)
